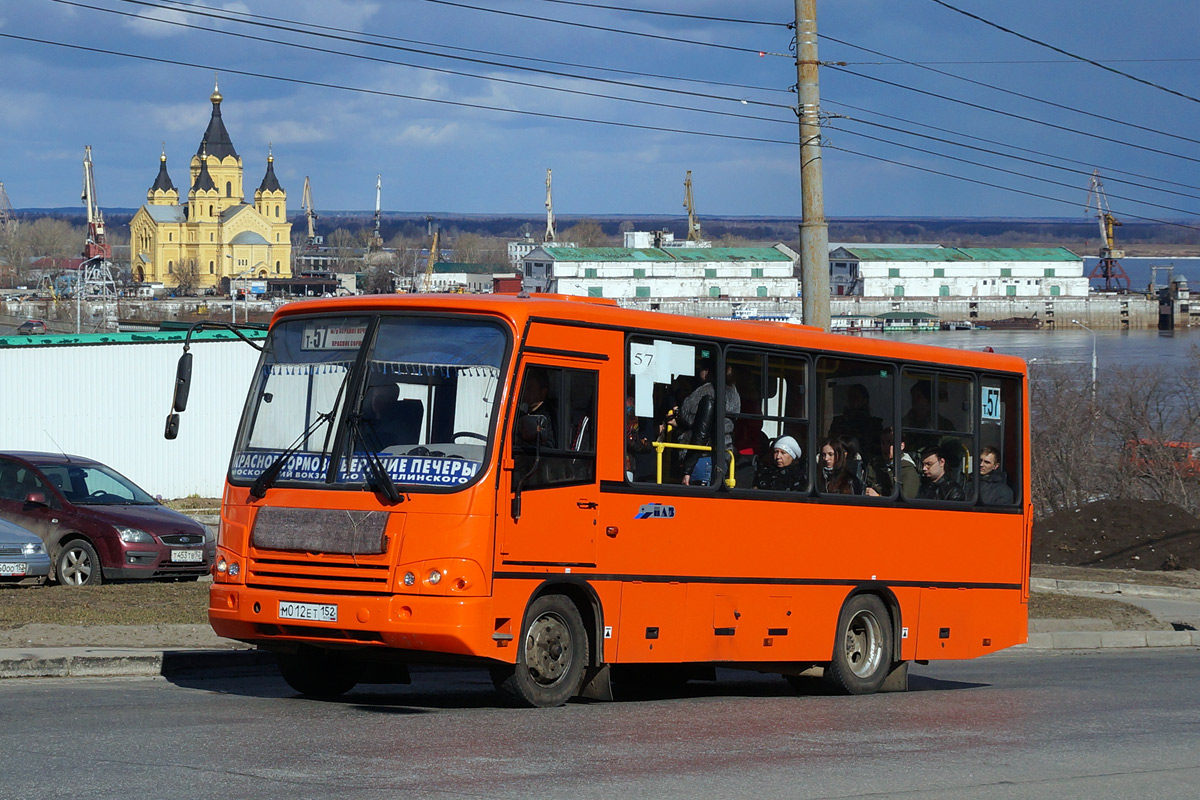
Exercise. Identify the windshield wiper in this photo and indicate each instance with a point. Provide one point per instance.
(383, 481)
(271, 474)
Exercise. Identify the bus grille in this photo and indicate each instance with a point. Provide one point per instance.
(318, 574)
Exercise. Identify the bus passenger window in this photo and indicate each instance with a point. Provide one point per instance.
(999, 471)
(938, 424)
(857, 401)
(770, 432)
(554, 430)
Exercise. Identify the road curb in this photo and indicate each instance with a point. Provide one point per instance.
(93, 662)
(1107, 587)
(1098, 640)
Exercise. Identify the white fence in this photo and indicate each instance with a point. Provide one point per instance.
(107, 396)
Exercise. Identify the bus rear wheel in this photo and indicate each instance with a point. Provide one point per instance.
(551, 657)
(319, 673)
(862, 649)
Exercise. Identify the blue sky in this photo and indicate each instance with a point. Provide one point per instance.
(446, 158)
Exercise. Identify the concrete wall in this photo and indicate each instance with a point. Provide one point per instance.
(109, 402)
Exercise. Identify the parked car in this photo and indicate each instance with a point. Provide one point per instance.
(31, 327)
(23, 557)
(97, 524)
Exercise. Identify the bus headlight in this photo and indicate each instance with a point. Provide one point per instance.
(435, 577)
(409, 579)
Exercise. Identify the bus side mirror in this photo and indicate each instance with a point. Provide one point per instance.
(172, 429)
(183, 384)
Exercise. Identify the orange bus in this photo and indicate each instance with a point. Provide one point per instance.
(559, 488)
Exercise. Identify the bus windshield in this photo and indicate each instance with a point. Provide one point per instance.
(420, 402)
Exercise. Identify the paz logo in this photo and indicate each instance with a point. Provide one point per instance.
(655, 511)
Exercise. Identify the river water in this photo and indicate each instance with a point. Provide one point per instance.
(1073, 345)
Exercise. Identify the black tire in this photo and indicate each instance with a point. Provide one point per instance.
(551, 656)
(78, 565)
(862, 647)
(319, 673)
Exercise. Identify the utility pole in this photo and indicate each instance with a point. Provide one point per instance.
(814, 232)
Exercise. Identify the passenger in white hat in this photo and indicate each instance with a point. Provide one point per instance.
(784, 472)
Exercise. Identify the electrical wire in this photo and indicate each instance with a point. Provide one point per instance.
(989, 184)
(1011, 115)
(1107, 170)
(1022, 95)
(440, 70)
(968, 161)
(396, 95)
(359, 34)
(605, 29)
(284, 28)
(666, 13)
(1067, 53)
(896, 62)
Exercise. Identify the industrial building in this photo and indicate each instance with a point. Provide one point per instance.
(978, 272)
(663, 273)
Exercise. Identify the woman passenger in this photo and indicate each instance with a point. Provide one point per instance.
(784, 471)
(836, 476)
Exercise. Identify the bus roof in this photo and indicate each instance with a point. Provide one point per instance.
(602, 311)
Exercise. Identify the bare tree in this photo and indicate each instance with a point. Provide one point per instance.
(187, 277)
(342, 242)
(586, 233)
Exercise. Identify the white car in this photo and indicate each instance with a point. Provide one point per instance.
(23, 556)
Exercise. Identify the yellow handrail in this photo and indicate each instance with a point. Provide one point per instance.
(659, 447)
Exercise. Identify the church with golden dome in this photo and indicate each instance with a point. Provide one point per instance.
(213, 234)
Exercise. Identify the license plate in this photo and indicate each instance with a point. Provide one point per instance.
(12, 570)
(187, 556)
(315, 612)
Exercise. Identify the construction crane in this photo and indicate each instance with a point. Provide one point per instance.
(7, 219)
(97, 245)
(427, 281)
(693, 222)
(310, 214)
(1109, 267)
(376, 239)
(549, 237)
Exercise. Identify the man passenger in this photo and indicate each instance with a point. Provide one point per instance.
(938, 484)
(993, 482)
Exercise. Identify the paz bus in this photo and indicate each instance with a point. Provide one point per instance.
(497, 480)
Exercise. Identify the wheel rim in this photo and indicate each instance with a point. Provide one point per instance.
(75, 567)
(864, 644)
(548, 650)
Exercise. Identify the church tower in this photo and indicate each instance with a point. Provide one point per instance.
(224, 165)
(163, 192)
(269, 199)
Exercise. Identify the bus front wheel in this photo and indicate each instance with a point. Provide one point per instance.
(551, 657)
(862, 649)
(319, 673)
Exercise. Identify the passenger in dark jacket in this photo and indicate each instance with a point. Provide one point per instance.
(993, 482)
(938, 484)
(784, 472)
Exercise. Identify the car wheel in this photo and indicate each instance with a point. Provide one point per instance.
(78, 565)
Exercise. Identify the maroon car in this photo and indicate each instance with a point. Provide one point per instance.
(97, 524)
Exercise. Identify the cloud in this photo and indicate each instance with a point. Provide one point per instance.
(155, 23)
(428, 135)
(293, 132)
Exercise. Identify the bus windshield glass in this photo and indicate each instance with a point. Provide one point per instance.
(419, 404)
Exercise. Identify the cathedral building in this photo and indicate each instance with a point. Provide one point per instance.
(213, 234)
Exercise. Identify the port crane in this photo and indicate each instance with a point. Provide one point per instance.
(1109, 267)
(376, 243)
(427, 280)
(94, 277)
(693, 223)
(310, 214)
(97, 242)
(550, 234)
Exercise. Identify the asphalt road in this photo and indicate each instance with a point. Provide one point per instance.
(1062, 725)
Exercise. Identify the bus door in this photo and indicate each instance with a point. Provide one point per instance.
(548, 506)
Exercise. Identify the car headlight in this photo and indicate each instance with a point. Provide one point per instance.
(131, 535)
(32, 548)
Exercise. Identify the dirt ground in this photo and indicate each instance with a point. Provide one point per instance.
(1112, 534)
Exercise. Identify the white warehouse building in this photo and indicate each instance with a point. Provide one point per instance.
(879, 272)
(673, 273)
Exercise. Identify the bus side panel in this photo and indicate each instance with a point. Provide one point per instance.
(966, 623)
(909, 599)
(651, 628)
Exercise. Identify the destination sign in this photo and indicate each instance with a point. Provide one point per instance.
(319, 335)
(411, 470)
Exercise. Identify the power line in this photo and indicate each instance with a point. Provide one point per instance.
(224, 69)
(1011, 115)
(659, 37)
(440, 70)
(933, 171)
(520, 57)
(1107, 170)
(284, 28)
(1006, 171)
(1015, 93)
(1067, 53)
(897, 61)
(666, 13)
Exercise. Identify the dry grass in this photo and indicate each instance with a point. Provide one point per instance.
(144, 603)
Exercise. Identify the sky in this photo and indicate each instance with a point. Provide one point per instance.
(332, 108)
